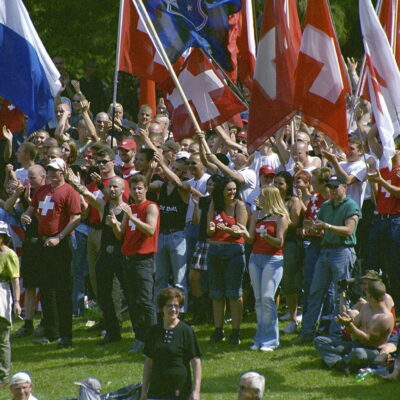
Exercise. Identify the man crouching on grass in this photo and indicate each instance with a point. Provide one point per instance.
(369, 330)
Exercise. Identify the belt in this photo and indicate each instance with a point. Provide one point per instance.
(387, 216)
(171, 230)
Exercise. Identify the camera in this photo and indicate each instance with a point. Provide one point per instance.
(343, 284)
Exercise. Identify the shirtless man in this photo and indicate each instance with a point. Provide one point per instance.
(369, 330)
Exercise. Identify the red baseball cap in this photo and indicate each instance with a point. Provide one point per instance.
(127, 144)
(266, 170)
(241, 135)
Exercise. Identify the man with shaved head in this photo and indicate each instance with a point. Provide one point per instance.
(110, 259)
(30, 262)
(102, 124)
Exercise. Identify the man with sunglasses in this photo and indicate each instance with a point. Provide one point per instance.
(104, 157)
(337, 219)
(58, 208)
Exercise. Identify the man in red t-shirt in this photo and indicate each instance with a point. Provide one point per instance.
(139, 233)
(127, 153)
(384, 235)
(58, 208)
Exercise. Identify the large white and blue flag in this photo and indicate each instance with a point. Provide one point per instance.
(28, 77)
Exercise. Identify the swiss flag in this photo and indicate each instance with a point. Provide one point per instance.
(389, 17)
(377, 46)
(10, 116)
(271, 104)
(138, 56)
(242, 45)
(321, 76)
(381, 114)
(212, 101)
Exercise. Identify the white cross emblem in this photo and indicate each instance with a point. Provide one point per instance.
(261, 230)
(314, 208)
(131, 224)
(11, 107)
(46, 205)
(198, 88)
(98, 194)
(384, 191)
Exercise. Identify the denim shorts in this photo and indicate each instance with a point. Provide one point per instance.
(226, 263)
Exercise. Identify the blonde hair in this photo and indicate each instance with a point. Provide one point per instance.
(272, 203)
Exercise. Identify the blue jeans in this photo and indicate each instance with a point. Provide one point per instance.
(384, 252)
(79, 270)
(333, 264)
(226, 263)
(265, 275)
(171, 260)
(312, 250)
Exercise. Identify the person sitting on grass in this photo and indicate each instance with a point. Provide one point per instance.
(21, 387)
(369, 330)
(251, 386)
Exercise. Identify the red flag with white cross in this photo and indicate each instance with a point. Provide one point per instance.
(138, 56)
(271, 104)
(212, 101)
(321, 76)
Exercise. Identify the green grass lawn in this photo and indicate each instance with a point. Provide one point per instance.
(292, 373)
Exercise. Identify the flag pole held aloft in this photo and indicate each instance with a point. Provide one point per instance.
(157, 43)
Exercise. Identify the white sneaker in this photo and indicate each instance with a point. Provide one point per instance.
(266, 349)
(255, 347)
(299, 318)
(291, 328)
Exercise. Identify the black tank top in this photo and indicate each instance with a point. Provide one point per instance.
(107, 235)
(172, 210)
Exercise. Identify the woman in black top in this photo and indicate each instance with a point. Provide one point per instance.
(170, 349)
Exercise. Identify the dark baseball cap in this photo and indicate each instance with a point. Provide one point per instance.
(336, 180)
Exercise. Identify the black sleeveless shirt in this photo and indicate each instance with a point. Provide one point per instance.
(107, 235)
(172, 210)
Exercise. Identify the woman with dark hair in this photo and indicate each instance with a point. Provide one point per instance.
(198, 265)
(9, 277)
(293, 251)
(225, 259)
(171, 349)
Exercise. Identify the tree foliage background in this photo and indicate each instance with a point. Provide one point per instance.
(79, 30)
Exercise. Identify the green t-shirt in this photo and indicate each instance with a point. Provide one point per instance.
(337, 215)
(9, 265)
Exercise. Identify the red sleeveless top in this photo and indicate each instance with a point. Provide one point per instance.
(134, 240)
(228, 221)
(261, 246)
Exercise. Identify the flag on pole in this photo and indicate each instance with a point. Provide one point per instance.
(271, 104)
(28, 77)
(184, 23)
(381, 114)
(246, 44)
(321, 76)
(377, 46)
(389, 18)
(138, 56)
(212, 101)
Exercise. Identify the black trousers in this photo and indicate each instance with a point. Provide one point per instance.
(140, 279)
(110, 264)
(56, 289)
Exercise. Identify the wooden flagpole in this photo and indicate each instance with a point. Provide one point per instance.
(143, 14)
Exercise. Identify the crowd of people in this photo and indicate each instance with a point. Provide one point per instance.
(118, 211)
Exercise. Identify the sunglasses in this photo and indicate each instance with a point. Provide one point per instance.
(103, 162)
